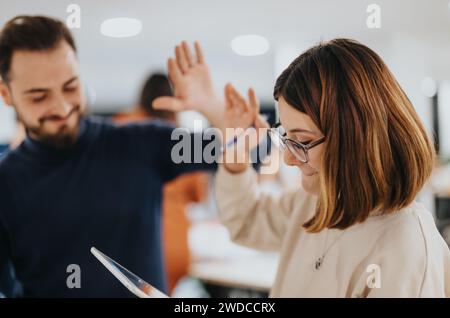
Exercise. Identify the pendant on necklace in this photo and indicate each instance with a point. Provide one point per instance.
(319, 262)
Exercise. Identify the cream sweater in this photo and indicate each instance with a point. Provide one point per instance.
(398, 255)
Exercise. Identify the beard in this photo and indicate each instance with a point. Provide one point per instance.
(64, 139)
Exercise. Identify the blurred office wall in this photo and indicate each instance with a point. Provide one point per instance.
(413, 40)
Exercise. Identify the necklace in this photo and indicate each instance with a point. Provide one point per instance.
(320, 260)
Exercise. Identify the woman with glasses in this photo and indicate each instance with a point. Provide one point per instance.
(353, 228)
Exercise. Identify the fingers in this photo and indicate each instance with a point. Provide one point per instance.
(184, 57)
(187, 54)
(231, 95)
(199, 53)
(228, 97)
(174, 71)
(181, 59)
(239, 100)
(235, 101)
(253, 100)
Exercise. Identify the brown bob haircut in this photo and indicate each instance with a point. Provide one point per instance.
(377, 155)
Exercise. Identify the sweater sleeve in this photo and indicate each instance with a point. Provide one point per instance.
(253, 218)
(183, 151)
(169, 150)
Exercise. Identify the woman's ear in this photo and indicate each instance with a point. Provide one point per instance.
(5, 93)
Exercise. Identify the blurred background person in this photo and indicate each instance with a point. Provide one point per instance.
(177, 194)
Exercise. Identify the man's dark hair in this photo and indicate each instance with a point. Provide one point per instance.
(30, 33)
(157, 85)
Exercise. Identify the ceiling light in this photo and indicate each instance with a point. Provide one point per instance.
(250, 45)
(429, 87)
(121, 27)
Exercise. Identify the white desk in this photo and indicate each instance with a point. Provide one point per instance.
(218, 261)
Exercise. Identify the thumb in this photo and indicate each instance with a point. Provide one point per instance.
(168, 103)
(261, 122)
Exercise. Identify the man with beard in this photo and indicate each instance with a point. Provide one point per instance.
(77, 182)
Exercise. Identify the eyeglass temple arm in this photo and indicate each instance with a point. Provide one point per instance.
(315, 143)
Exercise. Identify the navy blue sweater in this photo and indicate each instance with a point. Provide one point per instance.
(105, 192)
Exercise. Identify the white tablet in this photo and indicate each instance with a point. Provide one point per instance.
(136, 285)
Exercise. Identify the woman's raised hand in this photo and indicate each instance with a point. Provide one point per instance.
(244, 125)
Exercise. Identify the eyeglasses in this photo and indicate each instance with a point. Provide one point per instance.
(300, 151)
